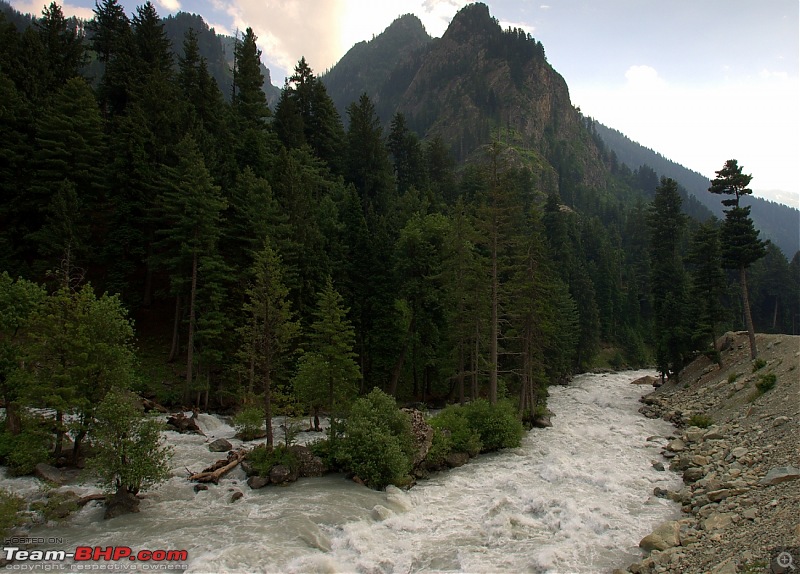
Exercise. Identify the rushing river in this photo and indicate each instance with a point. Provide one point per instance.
(573, 498)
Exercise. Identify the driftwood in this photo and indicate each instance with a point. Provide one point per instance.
(219, 468)
(84, 500)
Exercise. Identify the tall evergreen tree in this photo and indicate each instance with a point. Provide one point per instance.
(327, 373)
(668, 277)
(708, 286)
(269, 328)
(741, 246)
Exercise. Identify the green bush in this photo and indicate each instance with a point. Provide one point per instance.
(249, 423)
(759, 364)
(21, 453)
(497, 425)
(766, 383)
(732, 378)
(700, 421)
(263, 458)
(460, 436)
(10, 507)
(377, 444)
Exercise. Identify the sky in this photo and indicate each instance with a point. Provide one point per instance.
(698, 81)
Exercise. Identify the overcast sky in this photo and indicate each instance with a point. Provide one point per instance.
(699, 81)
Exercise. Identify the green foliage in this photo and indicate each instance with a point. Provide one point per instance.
(497, 425)
(759, 364)
(700, 421)
(249, 423)
(766, 382)
(130, 454)
(378, 445)
(56, 506)
(454, 430)
(263, 458)
(732, 377)
(10, 507)
(22, 452)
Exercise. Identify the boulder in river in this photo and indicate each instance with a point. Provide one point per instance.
(119, 503)
(220, 445)
(667, 535)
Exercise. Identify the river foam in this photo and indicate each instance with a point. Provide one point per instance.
(573, 498)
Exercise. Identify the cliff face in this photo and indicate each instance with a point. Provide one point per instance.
(476, 82)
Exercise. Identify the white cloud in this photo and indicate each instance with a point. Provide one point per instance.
(169, 5)
(35, 7)
(643, 78)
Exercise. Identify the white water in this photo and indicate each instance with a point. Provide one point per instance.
(573, 498)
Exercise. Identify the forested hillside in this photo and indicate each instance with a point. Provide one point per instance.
(482, 243)
(779, 223)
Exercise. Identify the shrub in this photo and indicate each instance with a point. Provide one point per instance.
(759, 364)
(249, 423)
(10, 507)
(462, 437)
(732, 378)
(766, 383)
(378, 445)
(21, 453)
(701, 421)
(263, 458)
(497, 425)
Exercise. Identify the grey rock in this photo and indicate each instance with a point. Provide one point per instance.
(718, 520)
(310, 465)
(667, 535)
(780, 474)
(220, 445)
(49, 473)
(281, 474)
(236, 496)
(119, 503)
(693, 474)
(659, 466)
(256, 482)
(455, 459)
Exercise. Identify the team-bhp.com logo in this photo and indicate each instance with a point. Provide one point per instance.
(97, 554)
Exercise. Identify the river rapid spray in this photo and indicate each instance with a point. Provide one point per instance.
(573, 498)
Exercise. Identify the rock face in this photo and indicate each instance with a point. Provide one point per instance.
(49, 473)
(220, 445)
(422, 433)
(281, 474)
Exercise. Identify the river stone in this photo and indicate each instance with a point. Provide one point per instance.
(646, 380)
(726, 567)
(455, 459)
(694, 434)
(659, 466)
(236, 496)
(119, 503)
(667, 535)
(220, 445)
(676, 445)
(281, 474)
(738, 452)
(717, 495)
(718, 520)
(256, 482)
(714, 434)
(780, 474)
(49, 473)
(750, 514)
(310, 465)
(693, 474)
(380, 513)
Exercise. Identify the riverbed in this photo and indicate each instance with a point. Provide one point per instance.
(576, 497)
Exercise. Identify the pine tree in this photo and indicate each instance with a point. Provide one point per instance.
(741, 246)
(192, 210)
(668, 278)
(269, 329)
(64, 51)
(328, 373)
(708, 286)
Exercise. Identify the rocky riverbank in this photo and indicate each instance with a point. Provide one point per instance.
(737, 445)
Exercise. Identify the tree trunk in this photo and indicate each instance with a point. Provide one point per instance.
(59, 434)
(398, 366)
(173, 352)
(268, 408)
(775, 314)
(76, 447)
(13, 421)
(190, 343)
(748, 318)
(493, 336)
(461, 373)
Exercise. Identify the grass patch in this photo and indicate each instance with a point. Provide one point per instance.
(759, 364)
(766, 383)
(700, 421)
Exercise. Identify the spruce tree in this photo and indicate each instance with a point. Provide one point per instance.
(328, 373)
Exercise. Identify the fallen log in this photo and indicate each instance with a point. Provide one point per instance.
(84, 500)
(219, 468)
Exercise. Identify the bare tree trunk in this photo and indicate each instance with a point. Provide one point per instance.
(775, 314)
(494, 326)
(748, 318)
(268, 407)
(190, 352)
(173, 352)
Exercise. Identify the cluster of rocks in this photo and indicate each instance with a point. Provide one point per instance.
(308, 465)
(741, 496)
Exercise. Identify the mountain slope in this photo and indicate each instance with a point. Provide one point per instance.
(777, 222)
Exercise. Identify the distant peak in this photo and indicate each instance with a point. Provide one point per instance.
(470, 20)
